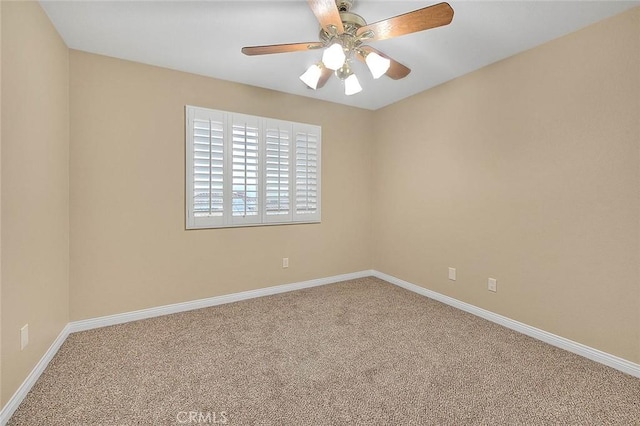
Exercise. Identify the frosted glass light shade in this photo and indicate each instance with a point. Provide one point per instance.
(333, 57)
(311, 76)
(377, 64)
(352, 85)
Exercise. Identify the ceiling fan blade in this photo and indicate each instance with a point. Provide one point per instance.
(396, 70)
(418, 20)
(324, 77)
(327, 13)
(280, 48)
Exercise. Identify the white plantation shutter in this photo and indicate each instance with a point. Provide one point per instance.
(278, 162)
(207, 183)
(244, 170)
(307, 173)
(245, 163)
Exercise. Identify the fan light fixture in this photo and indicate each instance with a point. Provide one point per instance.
(352, 85)
(334, 57)
(312, 76)
(377, 64)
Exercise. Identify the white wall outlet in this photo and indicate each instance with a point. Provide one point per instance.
(24, 336)
(492, 285)
(285, 262)
(452, 274)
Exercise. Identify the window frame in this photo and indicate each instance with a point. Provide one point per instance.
(227, 219)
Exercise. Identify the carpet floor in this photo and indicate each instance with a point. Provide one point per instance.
(357, 352)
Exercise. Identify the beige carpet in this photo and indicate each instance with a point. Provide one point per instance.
(357, 352)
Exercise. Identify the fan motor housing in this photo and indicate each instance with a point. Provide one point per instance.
(352, 20)
(351, 23)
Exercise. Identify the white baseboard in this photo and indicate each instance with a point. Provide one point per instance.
(32, 378)
(205, 303)
(569, 345)
(72, 327)
(560, 342)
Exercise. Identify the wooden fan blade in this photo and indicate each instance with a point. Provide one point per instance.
(396, 70)
(324, 77)
(418, 20)
(280, 48)
(327, 13)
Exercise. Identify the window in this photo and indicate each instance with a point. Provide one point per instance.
(244, 170)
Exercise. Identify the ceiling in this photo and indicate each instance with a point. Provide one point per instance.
(205, 37)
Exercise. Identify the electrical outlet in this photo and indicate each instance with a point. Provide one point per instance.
(24, 336)
(285, 262)
(452, 274)
(492, 285)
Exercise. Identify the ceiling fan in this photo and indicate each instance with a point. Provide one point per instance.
(343, 35)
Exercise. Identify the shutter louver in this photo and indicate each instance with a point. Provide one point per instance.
(277, 172)
(245, 167)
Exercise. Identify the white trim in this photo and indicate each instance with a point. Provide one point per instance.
(205, 303)
(32, 378)
(75, 326)
(552, 339)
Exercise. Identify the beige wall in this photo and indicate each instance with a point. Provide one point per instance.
(35, 188)
(527, 171)
(129, 246)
